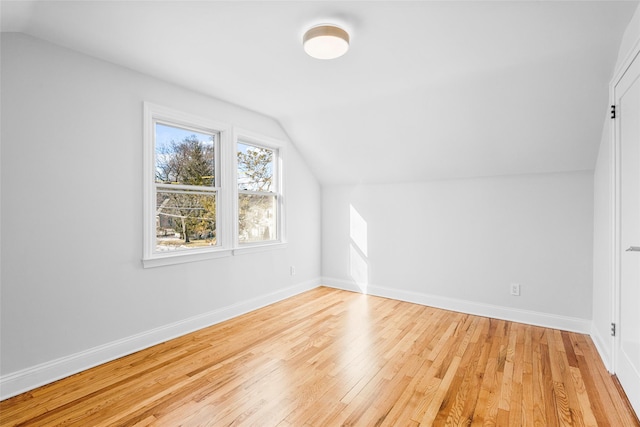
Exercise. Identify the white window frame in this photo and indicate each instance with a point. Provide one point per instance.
(226, 187)
(224, 150)
(251, 138)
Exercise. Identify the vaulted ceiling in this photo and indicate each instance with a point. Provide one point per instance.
(429, 90)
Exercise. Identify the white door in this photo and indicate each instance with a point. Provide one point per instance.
(627, 352)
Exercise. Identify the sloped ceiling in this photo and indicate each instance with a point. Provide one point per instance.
(429, 90)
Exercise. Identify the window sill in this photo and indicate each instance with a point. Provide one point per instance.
(181, 258)
(262, 247)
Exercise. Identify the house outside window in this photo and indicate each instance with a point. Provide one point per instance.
(257, 193)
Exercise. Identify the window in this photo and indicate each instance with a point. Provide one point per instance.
(191, 210)
(257, 193)
(186, 187)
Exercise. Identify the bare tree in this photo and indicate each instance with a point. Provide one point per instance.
(187, 162)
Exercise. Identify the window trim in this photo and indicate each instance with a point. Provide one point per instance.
(226, 185)
(154, 113)
(248, 137)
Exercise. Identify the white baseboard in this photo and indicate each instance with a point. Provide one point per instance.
(546, 320)
(603, 346)
(45, 373)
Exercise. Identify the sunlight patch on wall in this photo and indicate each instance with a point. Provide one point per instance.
(358, 230)
(358, 264)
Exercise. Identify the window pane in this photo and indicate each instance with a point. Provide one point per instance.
(257, 218)
(255, 168)
(185, 220)
(184, 156)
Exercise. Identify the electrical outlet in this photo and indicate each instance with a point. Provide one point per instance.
(515, 289)
(292, 270)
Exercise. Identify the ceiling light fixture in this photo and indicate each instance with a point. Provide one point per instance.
(326, 41)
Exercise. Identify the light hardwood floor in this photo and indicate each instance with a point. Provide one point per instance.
(332, 358)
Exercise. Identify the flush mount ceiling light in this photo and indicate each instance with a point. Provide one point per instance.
(326, 41)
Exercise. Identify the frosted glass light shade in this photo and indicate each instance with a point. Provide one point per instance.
(326, 42)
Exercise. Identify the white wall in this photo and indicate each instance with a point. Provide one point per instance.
(603, 198)
(72, 278)
(460, 244)
(602, 241)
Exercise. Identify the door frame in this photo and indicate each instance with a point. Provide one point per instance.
(615, 185)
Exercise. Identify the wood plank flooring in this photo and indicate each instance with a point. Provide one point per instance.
(336, 358)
